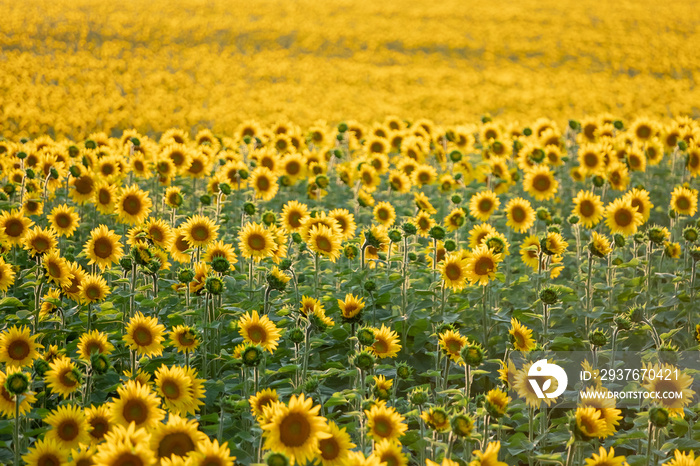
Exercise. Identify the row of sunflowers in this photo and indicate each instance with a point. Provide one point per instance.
(348, 295)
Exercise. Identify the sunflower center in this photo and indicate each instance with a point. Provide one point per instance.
(257, 242)
(103, 248)
(157, 234)
(40, 243)
(63, 220)
(623, 217)
(257, 334)
(590, 160)
(519, 340)
(177, 443)
(586, 208)
(200, 232)
(186, 338)
(196, 167)
(93, 347)
(295, 219)
(453, 271)
(107, 169)
(84, 462)
(177, 157)
(424, 177)
(643, 132)
(518, 214)
(485, 205)
(99, 428)
(324, 244)
(138, 165)
(683, 203)
(93, 292)
(104, 197)
(181, 244)
(350, 309)
(84, 185)
(329, 447)
(293, 168)
(383, 214)
(171, 389)
(541, 183)
(136, 411)
(483, 266)
(453, 346)
(14, 228)
(142, 336)
(68, 430)
(262, 183)
(18, 350)
(48, 459)
(383, 426)
(294, 430)
(128, 459)
(380, 346)
(32, 206)
(68, 379)
(54, 269)
(132, 204)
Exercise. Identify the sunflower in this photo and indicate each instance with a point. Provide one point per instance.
(69, 427)
(452, 343)
(103, 248)
(294, 214)
(345, 221)
(39, 241)
(159, 232)
(93, 288)
(63, 377)
(497, 402)
(530, 252)
(539, 183)
(210, 453)
(261, 399)
(489, 457)
(105, 197)
(63, 220)
(521, 384)
(173, 197)
(497, 243)
(389, 452)
(179, 247)
(264, 181)
(598, 399)
(520, 214)
(553, 243)
(483, 204)
(386, 343)
(8, 400)
(199, 164)
(133, 205)
(351, 307)
(618, 176)
(259, 331)
(684, 201)
(423, 222)
(296, 430)
(384, 422)
(48, 306)
(478, 233)
(83, 456)
(399, 181)
(369, 177)
(46, 452)
(454, 271)
(335, 449)
(679, 382)
(76, 276)
(199, 230)
(599, 245)
(589, 208)
(137, 404)
(184, 338)
(481, 265)
(7, 275)
(83, 188)
(679, 459)
(325, 242)
(178, 437)
(591, 159)
(144, 335)
(623, 218)
(293, 166)
(521, 336)
(590, 423)
(18, 347)
(256, 242)
(132, 450)
(643, 129)
(455, 219)
(94, 342)
(384, 214)
(423, 175)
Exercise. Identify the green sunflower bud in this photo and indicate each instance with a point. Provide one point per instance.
(249, 209)
(17, 383)
(364, 360)
(220, 265)
(365, 336)
(185, 275)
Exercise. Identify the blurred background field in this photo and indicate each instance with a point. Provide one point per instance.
(73, 67)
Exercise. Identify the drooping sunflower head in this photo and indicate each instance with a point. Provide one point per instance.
(521, 336)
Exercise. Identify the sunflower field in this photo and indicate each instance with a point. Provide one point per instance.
(215, 250)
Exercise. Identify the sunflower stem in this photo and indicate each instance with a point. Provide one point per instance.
(307, 344)
(266, 300)
(589, 292)
(447, 372)
(15, 440)
(484, 317)
(89, 316)
(467, 383)
(316, 267)
(692, 298)
(650, 438)
(37, 302)
(442, 301)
